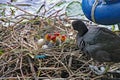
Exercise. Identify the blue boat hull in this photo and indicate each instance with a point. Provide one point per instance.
(105, 14)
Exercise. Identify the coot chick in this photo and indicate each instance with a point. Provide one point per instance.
(99, 43)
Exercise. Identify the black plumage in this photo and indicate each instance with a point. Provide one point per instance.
(99, 43)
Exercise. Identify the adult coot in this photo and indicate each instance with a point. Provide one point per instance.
(99, 43)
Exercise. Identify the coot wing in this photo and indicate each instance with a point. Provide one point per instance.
(100, 44)
(101, 35)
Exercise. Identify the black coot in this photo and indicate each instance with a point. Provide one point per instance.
(99, 43)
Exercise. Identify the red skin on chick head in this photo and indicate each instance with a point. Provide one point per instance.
(53, 38)
(57, 34)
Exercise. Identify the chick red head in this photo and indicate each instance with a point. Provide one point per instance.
(63, 38)
(48, 37)
(53, 38)
(56, 34)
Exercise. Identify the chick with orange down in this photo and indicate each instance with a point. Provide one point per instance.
(52, 41)
(48, 37)
(63, 38)
(55, 39)
(58, 40)
(59, 36)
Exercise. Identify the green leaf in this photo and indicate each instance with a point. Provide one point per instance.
(1, 51)
(113, 27)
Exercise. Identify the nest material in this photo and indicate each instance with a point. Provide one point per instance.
(20, 41)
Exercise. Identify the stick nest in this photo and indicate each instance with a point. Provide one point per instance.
(18, 43)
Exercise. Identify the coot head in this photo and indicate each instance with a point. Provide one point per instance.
(79, 26)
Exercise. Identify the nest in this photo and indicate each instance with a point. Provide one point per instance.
(18, 43)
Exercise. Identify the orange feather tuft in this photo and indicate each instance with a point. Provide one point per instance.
(63, 38)
(48, 37)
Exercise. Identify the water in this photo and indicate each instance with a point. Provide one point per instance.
(34, 5)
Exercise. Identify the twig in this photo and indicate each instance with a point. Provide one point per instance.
(20, 9)
(32, 68)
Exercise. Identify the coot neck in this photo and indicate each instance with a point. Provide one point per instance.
(82, 33)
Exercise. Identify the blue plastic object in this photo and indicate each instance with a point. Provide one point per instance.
(105, 14)
(40, 56)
